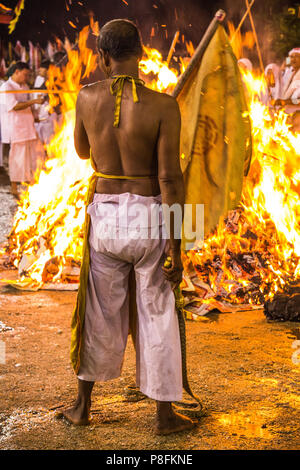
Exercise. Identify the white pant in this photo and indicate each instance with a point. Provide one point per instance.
(24, 159)
(158, 351)
(45, 129)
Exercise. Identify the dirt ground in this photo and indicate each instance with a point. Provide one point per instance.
(245, 369)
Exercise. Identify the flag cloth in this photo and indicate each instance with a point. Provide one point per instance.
(18, 10)
(215, 142)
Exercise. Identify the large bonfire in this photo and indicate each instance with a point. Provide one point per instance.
(252, 254)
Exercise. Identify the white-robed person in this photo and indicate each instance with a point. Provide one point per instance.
(290, 90)
(26, 150)
(45, 122)
(274, 83)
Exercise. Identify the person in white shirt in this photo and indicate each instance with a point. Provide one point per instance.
(45, 122)
(26, 150)
(274, 83)
(290, 90)
(245, 64)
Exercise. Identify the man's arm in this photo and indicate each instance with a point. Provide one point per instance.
(26, 104)
(171, 179)
(81, 140)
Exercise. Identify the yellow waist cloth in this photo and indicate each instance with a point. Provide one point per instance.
(121, 177)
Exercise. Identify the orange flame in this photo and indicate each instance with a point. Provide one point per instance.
(250, 256)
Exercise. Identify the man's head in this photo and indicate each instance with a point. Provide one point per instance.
(20, 73)
(119, 41)
(43, 70)
(294, 55)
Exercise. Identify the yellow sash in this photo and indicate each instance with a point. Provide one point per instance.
(116, 88)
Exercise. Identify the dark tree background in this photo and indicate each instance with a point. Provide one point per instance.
(43, 20)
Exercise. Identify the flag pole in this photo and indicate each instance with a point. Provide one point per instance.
(243, 19)
(197, 407)
(255, 37)
(172, 48)
(218, 18)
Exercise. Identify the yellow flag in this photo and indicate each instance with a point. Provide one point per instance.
(215, 137)
(18, 10)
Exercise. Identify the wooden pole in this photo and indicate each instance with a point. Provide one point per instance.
(172, 48)
(242, 20)
(219, 18)
(43, 92)
(256, 38)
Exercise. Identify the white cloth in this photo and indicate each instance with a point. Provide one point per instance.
(275, 92)
(39, 81)
(291, 91)
(45, 128)
(21, 122)
(4, 117)
(286, 75)
(158, 350)
(24, 159)
(291, 85)
(246, 64)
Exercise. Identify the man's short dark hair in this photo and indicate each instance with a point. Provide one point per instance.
(121, 39)
(18, 66)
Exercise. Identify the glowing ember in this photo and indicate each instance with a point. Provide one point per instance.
(255, 251)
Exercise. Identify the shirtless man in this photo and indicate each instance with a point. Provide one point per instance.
(144, 143)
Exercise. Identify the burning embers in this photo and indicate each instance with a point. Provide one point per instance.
(254, 253)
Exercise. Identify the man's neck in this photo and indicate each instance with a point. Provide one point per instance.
(125, 68)
(17, 83)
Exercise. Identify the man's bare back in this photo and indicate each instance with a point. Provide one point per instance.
(132, 148)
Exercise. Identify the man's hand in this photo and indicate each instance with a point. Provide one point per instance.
(173, 268)
(278, 102)
(40, 100)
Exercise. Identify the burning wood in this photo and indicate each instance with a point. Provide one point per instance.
(285, 305)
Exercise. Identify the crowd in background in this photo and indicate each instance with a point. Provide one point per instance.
(27, 123)
(283, 86)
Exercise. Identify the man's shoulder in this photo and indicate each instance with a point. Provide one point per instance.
(7, 85)
(92, 88)
(167, 102)
(88, 93)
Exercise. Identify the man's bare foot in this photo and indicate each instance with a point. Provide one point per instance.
(77, 414)
(168, 421)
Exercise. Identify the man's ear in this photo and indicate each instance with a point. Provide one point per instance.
(105, 57)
